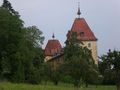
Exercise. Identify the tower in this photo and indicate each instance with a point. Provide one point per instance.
(84, 34)
(52, 48)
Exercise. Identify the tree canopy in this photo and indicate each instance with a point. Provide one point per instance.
(7, 5)
(20, 47)
(111, 65)
(78, 62)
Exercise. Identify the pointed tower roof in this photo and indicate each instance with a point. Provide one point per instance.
(53, 47)
(80, 26)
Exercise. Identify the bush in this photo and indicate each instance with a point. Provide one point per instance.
(67, 79)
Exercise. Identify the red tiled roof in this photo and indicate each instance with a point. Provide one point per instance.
(53, 47)
(82, 29)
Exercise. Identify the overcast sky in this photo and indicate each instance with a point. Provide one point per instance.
(57, 16)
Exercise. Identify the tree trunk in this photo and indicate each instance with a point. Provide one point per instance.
(76, 84)
(55, 82)
(86, 84)
(118, 86)
(45, 82)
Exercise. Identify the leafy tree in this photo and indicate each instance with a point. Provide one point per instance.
(10, 38)
(47, 70)
(73, 69)
(51, 73)
(78, 61)
(38, 58)
(34, 76)
(112, 65)
(36, 73)
(67, 79)
(34, 36)
(33, 42)
(19, 47)
(56, 75)
(107, 75)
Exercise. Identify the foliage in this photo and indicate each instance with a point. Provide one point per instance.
(51, 73)
(34, 36)
(46, 72)
(79, 63)
(10, 38)
(20, 48)
(111, 65)
(67, 79)
(7, 5)
(56, 75)
(107, 74)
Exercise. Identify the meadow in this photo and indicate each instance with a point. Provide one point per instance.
(11, 86)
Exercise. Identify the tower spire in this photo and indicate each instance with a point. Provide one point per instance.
(78, 13)
(53, 36)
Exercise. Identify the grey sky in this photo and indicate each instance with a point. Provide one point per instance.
(103, 16)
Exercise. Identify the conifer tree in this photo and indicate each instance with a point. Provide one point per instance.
(7, 5)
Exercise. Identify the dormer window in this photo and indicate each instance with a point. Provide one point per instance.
(82, 34)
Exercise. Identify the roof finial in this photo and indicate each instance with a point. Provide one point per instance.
(78, 13)
(53, 36)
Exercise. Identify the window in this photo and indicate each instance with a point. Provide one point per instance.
(82, 34)
(89, 45)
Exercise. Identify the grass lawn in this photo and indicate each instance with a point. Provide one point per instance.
(10, 86)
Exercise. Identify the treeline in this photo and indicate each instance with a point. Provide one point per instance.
(20, 47)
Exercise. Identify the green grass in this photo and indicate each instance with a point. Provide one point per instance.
(10, 86)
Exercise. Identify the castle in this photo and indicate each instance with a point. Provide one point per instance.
(84, 35)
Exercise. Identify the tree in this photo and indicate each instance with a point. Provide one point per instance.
(20, 47)
(47, 70)
(107, 75)
(34, 36)
(51, 73)
(112, 61)
(56, 75)
(78, 61)
(10, 39)
(7, 5)
(33, 41)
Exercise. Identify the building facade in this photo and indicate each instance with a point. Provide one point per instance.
(84, 35)
(52, 49)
